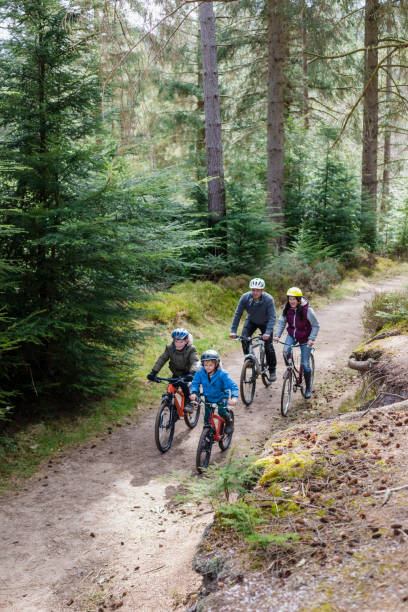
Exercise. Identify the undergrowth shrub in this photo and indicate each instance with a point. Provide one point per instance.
(194, 302)
(219, 482)
(361, 259)
(386, 308)
(312, 277)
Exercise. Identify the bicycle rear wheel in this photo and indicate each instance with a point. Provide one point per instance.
(247, 382)
(164, 427)
(226, 440)
(303, 386)
(204, 449)
(286, 392)
(265, 371)
(191, 418)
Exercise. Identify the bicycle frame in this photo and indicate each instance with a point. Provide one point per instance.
(217, 423)
(174, 394)
(297, 373)
(178, 397)
(253, 344)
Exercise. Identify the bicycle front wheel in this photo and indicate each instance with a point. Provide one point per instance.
(204, 449)
(247, 382)
(226, 440)
(164, 427)
(286, 392)
(191, 418)
(265, 371)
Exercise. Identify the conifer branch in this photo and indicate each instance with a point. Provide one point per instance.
(354, 51)
(360, 97)
(142, 38)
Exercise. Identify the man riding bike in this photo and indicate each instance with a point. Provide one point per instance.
(261, 314)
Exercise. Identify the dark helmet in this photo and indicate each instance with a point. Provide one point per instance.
(179, 334)
(210, 355)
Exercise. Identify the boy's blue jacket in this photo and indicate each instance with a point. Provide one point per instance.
(215, 388)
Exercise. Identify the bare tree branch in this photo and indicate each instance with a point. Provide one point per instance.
(359, 50)
(360, 97)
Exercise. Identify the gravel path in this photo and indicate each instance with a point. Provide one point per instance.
(98, 527)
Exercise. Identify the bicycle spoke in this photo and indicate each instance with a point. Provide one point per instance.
(191, 418)
(204, 449)
(164, 427)
(247, 382)
(286, 392)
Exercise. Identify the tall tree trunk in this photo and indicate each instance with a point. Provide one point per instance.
(305, 99)
(370, 124)
(200, 136)
(275, 115)
(213, 137)
(387, 139)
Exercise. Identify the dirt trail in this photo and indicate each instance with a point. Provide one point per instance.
(96, 525)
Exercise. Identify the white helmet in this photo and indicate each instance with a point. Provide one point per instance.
(257, 283)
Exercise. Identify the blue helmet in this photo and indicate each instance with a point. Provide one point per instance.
(179, 334)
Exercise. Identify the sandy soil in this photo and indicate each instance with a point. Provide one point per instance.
(97, 528)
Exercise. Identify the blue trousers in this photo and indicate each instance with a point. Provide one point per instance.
(305, 351)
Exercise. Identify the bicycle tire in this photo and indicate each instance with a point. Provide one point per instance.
(204, 449)
(226, 441)
(191, 419)
(265, 374)
(286, 392)
(247, 382)
(303, 386)
(164, 423)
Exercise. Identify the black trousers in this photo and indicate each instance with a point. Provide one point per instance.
(270, 354)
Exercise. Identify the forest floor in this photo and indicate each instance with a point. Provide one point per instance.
(97, 528)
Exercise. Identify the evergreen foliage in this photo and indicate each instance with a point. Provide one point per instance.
(323, 204)
(332, 207)
(82, 236)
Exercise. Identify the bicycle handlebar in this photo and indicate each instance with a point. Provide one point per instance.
(292, 345)
(173, 380)
(250, 338)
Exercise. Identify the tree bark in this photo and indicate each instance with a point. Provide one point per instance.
(213, 136)
(370, 124)
(305, 99)
(387, 139)
(275, 115)
(200, 136)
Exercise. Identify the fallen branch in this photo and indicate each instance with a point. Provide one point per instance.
(154, 569)
(389, 492)
(361, 366)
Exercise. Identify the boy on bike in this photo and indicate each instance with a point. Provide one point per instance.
(183, 361)
(217, 386)
(261, 314)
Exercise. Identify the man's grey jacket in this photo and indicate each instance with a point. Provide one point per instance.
(261, 312)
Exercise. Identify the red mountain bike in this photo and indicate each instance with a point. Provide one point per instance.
(213, 432)
(171, 410)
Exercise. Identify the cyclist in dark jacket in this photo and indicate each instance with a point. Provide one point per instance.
(183, 361)
(303, 327)
(261, 314)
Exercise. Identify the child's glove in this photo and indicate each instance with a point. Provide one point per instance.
(152, 376)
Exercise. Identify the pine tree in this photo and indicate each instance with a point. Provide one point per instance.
(83, 238)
